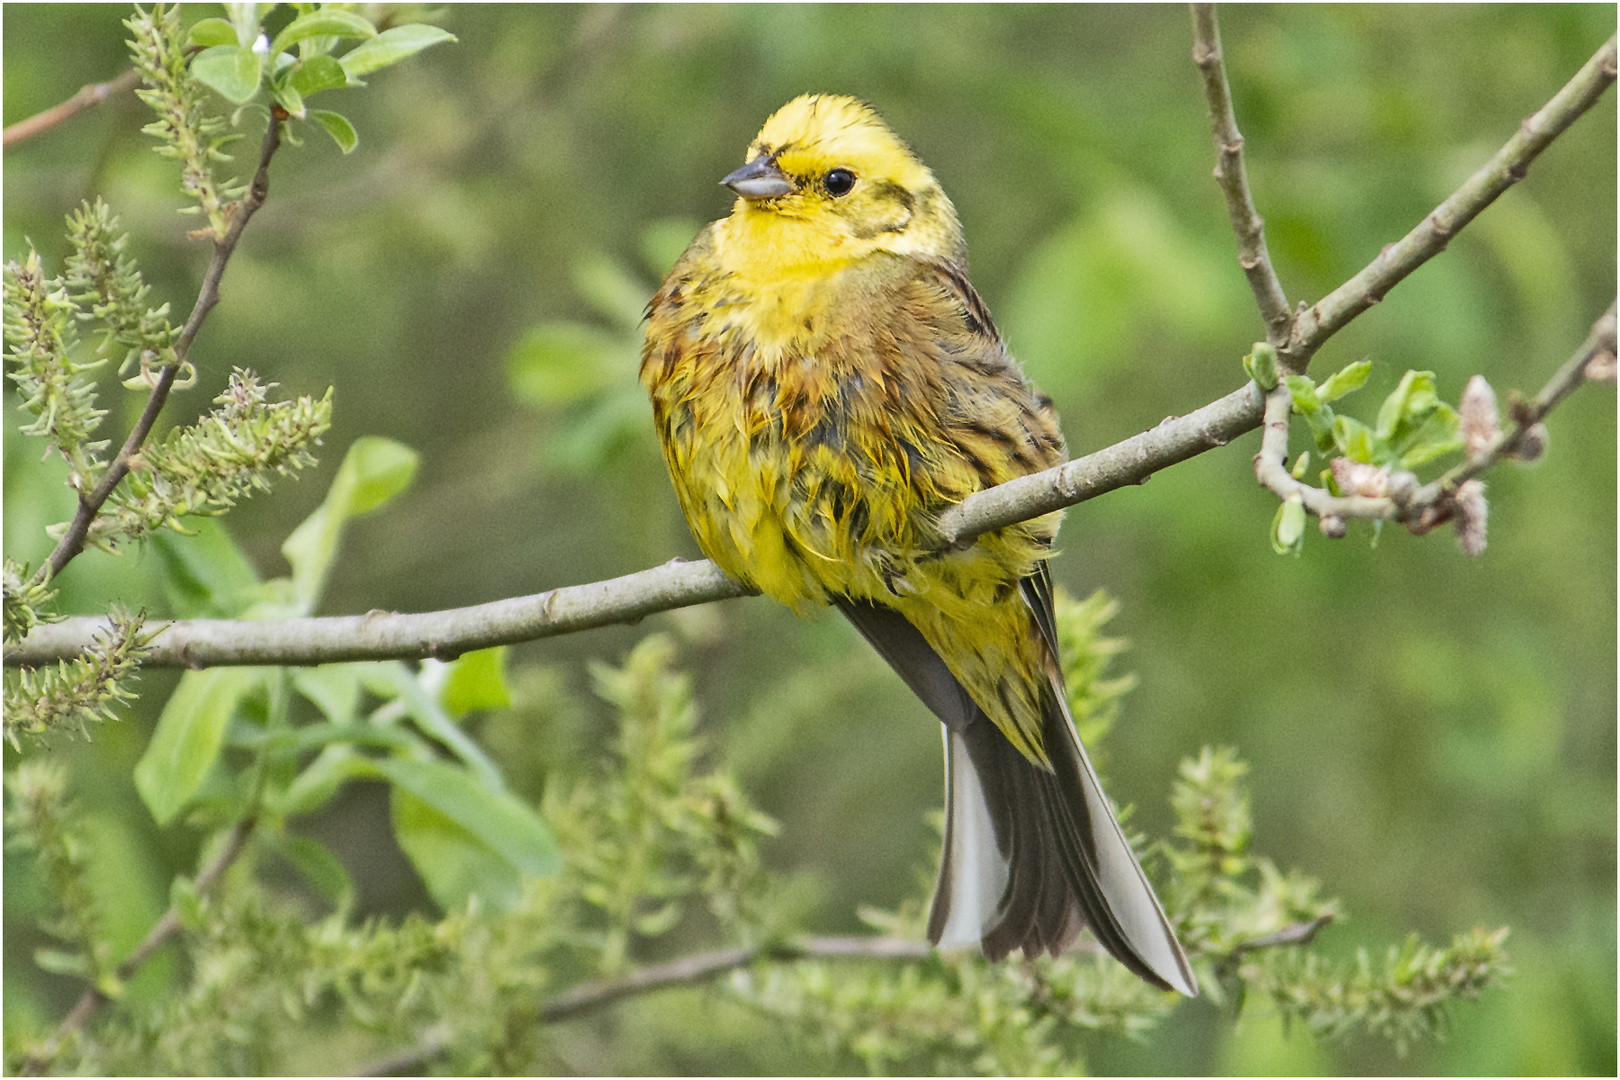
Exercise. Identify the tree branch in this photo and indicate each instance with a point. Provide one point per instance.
(87, 97)
(73, 540)
(1598, 349)
(165, 928)
(1233, 176)
(685, 971)
(205, 643)
(1507, 167)
(1421, 508)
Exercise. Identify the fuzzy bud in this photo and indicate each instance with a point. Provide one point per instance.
(1532, 444)
(1477, 411)
(1601, 368)
(1333, 526)
(1470, 516)
(1359, 478)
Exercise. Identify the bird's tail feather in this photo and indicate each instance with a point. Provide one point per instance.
(1030, 856)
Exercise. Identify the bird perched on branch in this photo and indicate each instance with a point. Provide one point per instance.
(825, 381)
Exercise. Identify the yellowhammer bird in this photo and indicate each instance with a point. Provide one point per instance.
(825, 382)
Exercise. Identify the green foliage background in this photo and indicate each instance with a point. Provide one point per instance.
(1431, 736)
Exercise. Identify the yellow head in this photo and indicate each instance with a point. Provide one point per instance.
(827, 183)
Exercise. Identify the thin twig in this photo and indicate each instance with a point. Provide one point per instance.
(700, 968)
(1421, 508)
(685, 971)
(1294, 934)
(73, 540)
(165, 928)
(1233, 176)
(87, 97)
(1271, 469)
(1528, 414)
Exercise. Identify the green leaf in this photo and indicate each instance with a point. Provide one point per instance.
(392, 46)
(212, 32)
(232, 70)
(337, 125)
(1303, 391)
(1439, 435)
(374, 471)
(476, 682)
(189, 735)
(327, 22)
(393, 681)
(314, 787)
(316, 73)
(315, 861)
(205, 575)
(64, 962)
(502, 821)
(1309, 402)
(1261, 365)
(1358, 442)
(1407, 406)
(1288, 527)
(332, 688)
(382, 470)
(453, 863)
(290, 99)
(1345, 380)
(186, 903)
(558, 363)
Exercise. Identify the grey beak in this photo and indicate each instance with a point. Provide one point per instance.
(759, 179)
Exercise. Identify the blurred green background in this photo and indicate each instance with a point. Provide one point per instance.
(1431, 736)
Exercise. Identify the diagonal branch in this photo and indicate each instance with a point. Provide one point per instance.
(166, 927)
(87, 97)
(204, 643)
(1421, 508)
(686, 971)
(78, 530)
(1507, 167)
(1233, 176)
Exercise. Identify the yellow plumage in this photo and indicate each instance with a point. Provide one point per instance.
(825, 382)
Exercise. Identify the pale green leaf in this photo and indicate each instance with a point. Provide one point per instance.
(316, 73)
(1288, 527)
(476, 682)
(327, 22)
(1351, 377)
(318, 865)
(290, 99)
(558, 363)
(452, 862)
(502, 821)
(232, 70)
(337, 125)
(189, 735)
(374, 471)
(392, 46)
(210, 32)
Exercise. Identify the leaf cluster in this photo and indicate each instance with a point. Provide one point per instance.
(1414, 427)
(241, 63)
(204, 468)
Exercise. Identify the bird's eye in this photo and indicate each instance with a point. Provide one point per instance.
(839, 182)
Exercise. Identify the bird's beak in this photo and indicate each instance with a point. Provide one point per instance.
(759, 179)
